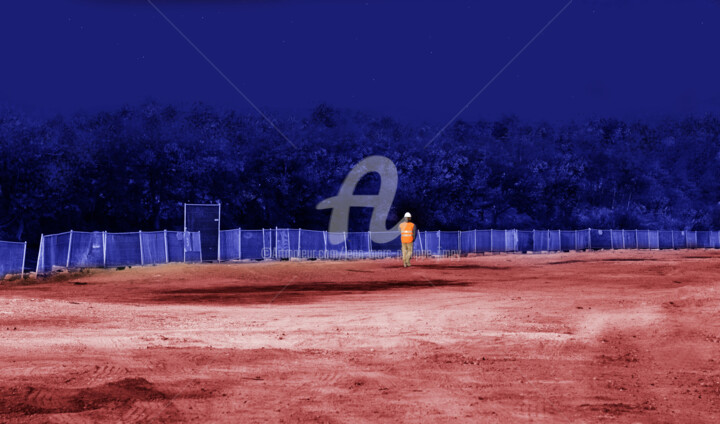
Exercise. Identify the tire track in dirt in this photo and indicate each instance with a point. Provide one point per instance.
(95, 374)
(42, 398)
(71, 418)
(149, 412)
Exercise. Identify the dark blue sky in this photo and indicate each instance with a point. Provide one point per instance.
(408, 59)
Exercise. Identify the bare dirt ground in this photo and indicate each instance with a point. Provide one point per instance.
(620, 336)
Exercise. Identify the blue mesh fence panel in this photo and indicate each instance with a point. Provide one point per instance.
(554, 243)
(711, 240)
(312, 244)
(449, 242)
(358, 245)
(653, 240)
(11, 258)
(680, 239)
(394, 246)
(432, 239)
(665, 240)
(268, 239)
(703, 239)
(193, 247)
(418, 245)
(286, 243)
(153, 248)
(176, 244)
(525, 241)
(630, 237)
(567, 240)
(691, 237)
(483, 241)
(583, 239)
(497, 240)
(86, 250)
(510, 240)
(467, 241)
(600, 239)
(540, 240)
(617, 239)
(716, 239)
(336, 246)
(54, 252)
(294, 243)
(123, 249)
(229, 245)
(255, 244)
(643, 239)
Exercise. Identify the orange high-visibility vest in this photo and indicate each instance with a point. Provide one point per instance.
(406, 232)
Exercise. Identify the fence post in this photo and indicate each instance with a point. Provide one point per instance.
(239, 243)
(576, 237)
(104, 249)
(67, 264)
(560, 241)
(184, 244)
(459, 242)
(201, 258)
(685, 233)
(439, 247)
(533, 236)
(548, 240)
(623, 237)
(142, 258)
(299, 232)
(491, 239)
(22, 267)
(167, 255)
(589, 238)
(264, 244)
(672, 238)
(475, 241)
(276, 246)
(345, 241)
(657, 237)
(637, 246)
(325, 241)
(41, 254)
(370, 243)
(219, 217)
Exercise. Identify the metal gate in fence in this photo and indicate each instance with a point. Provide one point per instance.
(206, 220)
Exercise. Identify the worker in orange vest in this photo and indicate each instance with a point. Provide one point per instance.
(407, 237)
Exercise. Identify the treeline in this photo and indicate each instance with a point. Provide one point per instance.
(132, 169)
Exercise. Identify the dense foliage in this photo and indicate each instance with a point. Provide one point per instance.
(133, 168)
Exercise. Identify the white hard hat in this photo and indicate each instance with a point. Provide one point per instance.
(407, 215)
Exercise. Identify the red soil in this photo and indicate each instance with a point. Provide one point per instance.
(584, 337)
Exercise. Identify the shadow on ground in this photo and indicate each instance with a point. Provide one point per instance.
(459, 266)
(291, 292)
